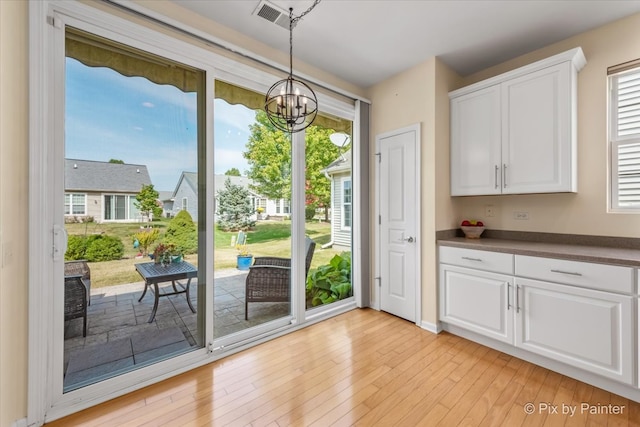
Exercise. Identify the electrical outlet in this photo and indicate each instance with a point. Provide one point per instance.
(523, 216)
(489, 211)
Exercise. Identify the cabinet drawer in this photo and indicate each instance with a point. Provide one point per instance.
(482, 260)
(587, 275)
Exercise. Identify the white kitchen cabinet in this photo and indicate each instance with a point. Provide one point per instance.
(476, 147)
(479, 301)
(516, 133)
(588, 329)
(580, 314)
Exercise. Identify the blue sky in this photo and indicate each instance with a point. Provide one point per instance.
(132, 119)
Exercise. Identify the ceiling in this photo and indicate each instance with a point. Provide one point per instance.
(367, 41)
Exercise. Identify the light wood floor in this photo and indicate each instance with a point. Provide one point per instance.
(362, 368)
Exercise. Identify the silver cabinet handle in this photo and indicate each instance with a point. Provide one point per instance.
(472, 259)
(508, 296)
(408, 239)
(495, 176)
(517, 299)
(566, 272)
(504, 175)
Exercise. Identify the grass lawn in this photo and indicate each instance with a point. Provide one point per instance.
(268, 238)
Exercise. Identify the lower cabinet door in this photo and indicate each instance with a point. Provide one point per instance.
(478, 301)
(588, 329)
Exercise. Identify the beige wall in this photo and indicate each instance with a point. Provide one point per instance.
(13, 210)
(586, 211)
(420, 95)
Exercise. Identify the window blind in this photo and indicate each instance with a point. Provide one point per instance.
(625, 139)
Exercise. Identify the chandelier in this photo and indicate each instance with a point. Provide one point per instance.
(290, 104)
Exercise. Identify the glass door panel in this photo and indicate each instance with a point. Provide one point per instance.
(252, 256)
(328, 212)
(133, 131)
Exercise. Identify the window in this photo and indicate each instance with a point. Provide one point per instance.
(624, 128)
(185, 204)
(346, 203)
(75, 204)
(287, 207)
(119, 207)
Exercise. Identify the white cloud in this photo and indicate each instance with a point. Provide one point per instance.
(148, 104)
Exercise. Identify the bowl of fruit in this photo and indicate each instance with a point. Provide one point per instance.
(472, 229)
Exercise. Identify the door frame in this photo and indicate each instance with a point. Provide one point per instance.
(376, 295)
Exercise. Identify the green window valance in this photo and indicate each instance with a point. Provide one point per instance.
(94, 51)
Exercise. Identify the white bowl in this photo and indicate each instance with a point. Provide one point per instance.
(472, 232)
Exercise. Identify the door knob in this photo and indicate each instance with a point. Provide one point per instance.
(408, 239)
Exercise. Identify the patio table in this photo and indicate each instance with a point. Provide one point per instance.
(154, 274)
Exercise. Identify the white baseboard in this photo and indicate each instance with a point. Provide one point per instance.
(20, 423)
(431, 327)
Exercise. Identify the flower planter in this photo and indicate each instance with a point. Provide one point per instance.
(244, 262)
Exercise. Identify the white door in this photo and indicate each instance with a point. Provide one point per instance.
(399, 206)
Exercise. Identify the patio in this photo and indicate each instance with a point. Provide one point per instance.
(119, 338)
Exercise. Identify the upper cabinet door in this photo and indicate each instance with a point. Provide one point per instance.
(476, 143)
(537, 148)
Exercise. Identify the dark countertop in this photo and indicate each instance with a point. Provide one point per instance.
(598, 254)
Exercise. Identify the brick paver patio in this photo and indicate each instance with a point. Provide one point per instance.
(120, 339)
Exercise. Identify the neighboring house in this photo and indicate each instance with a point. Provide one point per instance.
(339, 172)
(166, 199)
(102, 190)
(185, 196)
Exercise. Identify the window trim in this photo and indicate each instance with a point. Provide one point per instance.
(615, 142)
(344, 227)
(71, 204)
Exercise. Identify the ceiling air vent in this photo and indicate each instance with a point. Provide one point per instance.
(273, 13)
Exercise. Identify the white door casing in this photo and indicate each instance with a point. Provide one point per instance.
(398, 196)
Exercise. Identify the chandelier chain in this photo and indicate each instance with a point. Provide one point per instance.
(292, 21)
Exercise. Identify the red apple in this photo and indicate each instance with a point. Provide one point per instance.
(480, 224)
(465, 223)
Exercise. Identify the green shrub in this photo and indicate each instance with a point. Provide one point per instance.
(76, 247)
(103, 248)
(330, 282)
(182, 233)
(309, 212)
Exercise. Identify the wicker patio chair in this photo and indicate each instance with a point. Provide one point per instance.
(269, 278)
(80, 267)
(75, 300)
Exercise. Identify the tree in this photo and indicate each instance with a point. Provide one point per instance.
(269, 156)
(120, 162)
(182, 233)
(234, 207)
(147, 202)
(233, 172)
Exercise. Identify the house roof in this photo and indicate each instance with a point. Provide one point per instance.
(165, 196)
(89, 175)
(191, 179)
(341, 164)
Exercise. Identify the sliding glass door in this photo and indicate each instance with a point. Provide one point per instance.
(133, 123)
(170, 224)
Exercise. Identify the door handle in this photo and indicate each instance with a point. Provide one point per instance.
(495, 177)
(508, 296)
(517, 299)
(408, 239)
(504, 175)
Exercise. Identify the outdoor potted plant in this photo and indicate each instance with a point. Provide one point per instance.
(245, 259)
(165, 254)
